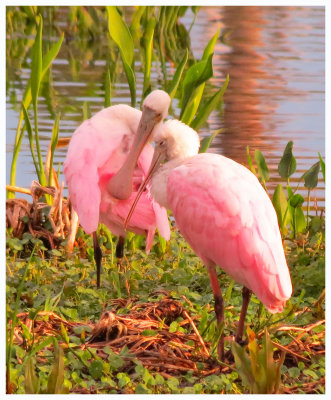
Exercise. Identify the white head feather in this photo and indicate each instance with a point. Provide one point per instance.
(159, 101)
(179, 139)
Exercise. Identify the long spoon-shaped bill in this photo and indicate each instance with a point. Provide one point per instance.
(156, 162)
(120, 186)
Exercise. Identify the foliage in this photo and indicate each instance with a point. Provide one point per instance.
(258, 370)
(54, 283)
(289, 209)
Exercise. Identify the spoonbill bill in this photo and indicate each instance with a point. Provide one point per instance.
(115, 141)
(225, 215)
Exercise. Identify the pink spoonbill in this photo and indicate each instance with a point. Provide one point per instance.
(225, 215)
(115, 142)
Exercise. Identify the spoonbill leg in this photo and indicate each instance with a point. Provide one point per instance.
(246, 294)
(219, 306)
(97, 256)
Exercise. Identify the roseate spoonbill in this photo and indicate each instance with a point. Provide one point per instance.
(113, 138)
(224, 214)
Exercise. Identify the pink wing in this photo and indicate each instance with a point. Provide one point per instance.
(93, 143)
(96, 151)
(228, 219)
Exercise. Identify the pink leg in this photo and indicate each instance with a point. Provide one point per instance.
(219, 306)
(246, 293)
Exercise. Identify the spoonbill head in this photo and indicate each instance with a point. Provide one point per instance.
(224, 214)
(155, 109)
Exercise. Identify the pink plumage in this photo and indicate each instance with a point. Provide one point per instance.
(228, 219)
(225, 215)
(97, 150)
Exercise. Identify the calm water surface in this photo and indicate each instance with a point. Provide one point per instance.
(275, 59)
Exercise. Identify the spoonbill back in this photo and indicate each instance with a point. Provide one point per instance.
(225, 215)
(114, 142)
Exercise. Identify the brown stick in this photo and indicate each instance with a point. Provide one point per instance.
(197, 333)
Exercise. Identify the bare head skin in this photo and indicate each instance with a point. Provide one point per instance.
(173, 140)
(155, 109)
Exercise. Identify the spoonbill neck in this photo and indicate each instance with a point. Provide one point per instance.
(159, 180)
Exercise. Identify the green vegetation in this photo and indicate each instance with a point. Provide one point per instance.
(53, 306)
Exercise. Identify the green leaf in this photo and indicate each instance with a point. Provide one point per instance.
(36, 66)
(177, 76)
(31, 139)
(31, 382)
(311, 176)
(148, 51)
(95, 369)
(262, 167)
(210, 46)
(296, 200)
(322, 166)
(149, 332)
(280, 203)
(287, 164)
(206, 142)
(120, 33)
(300, 220)
(249, 159)
(64, 334)
(45, 343)
(54, 140)
(115, 361)
(209, 106)
(197, 74)
(193, 104)
(243, 364)
(56, 377)
(107, 102)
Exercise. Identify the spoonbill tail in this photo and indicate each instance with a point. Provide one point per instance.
(224, 214)
(113, 144)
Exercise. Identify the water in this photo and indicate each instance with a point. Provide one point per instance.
(275, 59)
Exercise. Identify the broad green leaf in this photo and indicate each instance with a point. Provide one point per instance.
(300, 220)
(261, 166)
(196, 75)
(31, 382)
(209, 106)
(37, 63)
(177, 76)
(206, 142)
(250, 163)
(296, 200)
(193, 105)
(287, 164)
(209, 50)
(280, 203)
(322, 166)
(95, 369)
(56, 377)
(311, 176)
(121, 35)
(243, 364)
